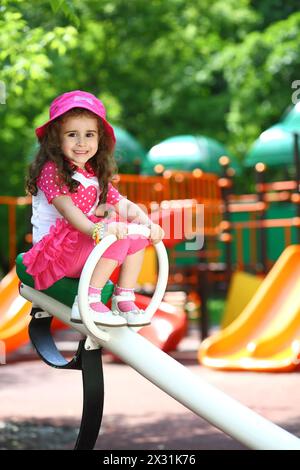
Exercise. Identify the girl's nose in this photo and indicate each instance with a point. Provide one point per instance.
(80, 140)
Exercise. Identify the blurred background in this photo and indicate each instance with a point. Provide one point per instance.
(222, 69)
(184, 83)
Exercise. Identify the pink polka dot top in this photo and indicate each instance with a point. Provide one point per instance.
(84, 197)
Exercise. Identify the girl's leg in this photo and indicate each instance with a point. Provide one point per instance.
(101, 314)
(113, 256)
(103, 270)
(123, 298)
(131, 269)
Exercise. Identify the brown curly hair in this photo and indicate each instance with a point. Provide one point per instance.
(103, 162)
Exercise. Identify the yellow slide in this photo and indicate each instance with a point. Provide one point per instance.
(14, 313)
(266, 335)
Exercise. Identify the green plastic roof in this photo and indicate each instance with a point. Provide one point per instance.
(291, 121)
(187, 152)
(128, 149)
(275, 146)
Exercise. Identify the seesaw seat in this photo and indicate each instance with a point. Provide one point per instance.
(63, 290)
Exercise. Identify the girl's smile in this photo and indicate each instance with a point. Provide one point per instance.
(79, 139)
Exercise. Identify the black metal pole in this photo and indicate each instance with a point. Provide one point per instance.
(296, 195)
(137, 166)
(93, 398)
(225, 183)
(260, 179)
(297, 159)
(203, 292)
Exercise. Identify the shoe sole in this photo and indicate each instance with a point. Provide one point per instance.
(113, 326)
(100, 324)
(134, 324)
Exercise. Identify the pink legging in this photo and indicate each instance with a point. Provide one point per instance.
(117, 251)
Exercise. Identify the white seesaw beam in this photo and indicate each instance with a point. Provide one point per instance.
(233, 418)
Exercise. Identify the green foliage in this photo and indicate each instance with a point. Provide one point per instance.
(162, 68)
(259, 73)
(274, 10)
(68, 10)
(27, 59)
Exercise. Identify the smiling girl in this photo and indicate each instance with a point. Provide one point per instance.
(70, 183)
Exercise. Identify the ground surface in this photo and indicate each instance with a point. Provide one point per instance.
(40, 407)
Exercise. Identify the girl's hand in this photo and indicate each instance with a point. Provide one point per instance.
(119, 229)
(156, 233)
(101, 211)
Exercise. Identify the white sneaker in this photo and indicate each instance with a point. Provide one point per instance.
(103, 319)
(135, 317)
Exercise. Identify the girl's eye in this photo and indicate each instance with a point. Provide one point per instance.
(88, 134)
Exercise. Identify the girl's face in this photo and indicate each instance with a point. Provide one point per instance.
(79, 138)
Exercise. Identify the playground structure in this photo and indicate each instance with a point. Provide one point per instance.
(205, 400)
(239, 233)
(188, 152)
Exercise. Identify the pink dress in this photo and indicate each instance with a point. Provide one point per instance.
(59, 249)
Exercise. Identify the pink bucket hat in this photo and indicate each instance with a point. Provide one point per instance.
(76, 99)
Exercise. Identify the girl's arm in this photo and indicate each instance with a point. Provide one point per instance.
(73, 214)
(79, 220)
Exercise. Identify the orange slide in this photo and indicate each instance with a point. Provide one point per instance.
(14, 313)
(266, 335)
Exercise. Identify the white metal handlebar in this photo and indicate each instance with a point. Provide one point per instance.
(103, 334)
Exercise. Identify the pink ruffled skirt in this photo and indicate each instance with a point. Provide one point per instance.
(64, 251)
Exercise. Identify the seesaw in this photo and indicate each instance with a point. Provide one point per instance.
(227, 414)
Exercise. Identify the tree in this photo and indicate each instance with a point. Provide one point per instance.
(259, 73)
(27, 57)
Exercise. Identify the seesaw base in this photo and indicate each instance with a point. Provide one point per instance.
(90, 364)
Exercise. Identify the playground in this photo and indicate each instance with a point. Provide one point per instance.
(217, 368)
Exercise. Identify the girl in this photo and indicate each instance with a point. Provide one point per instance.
(70, 184)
